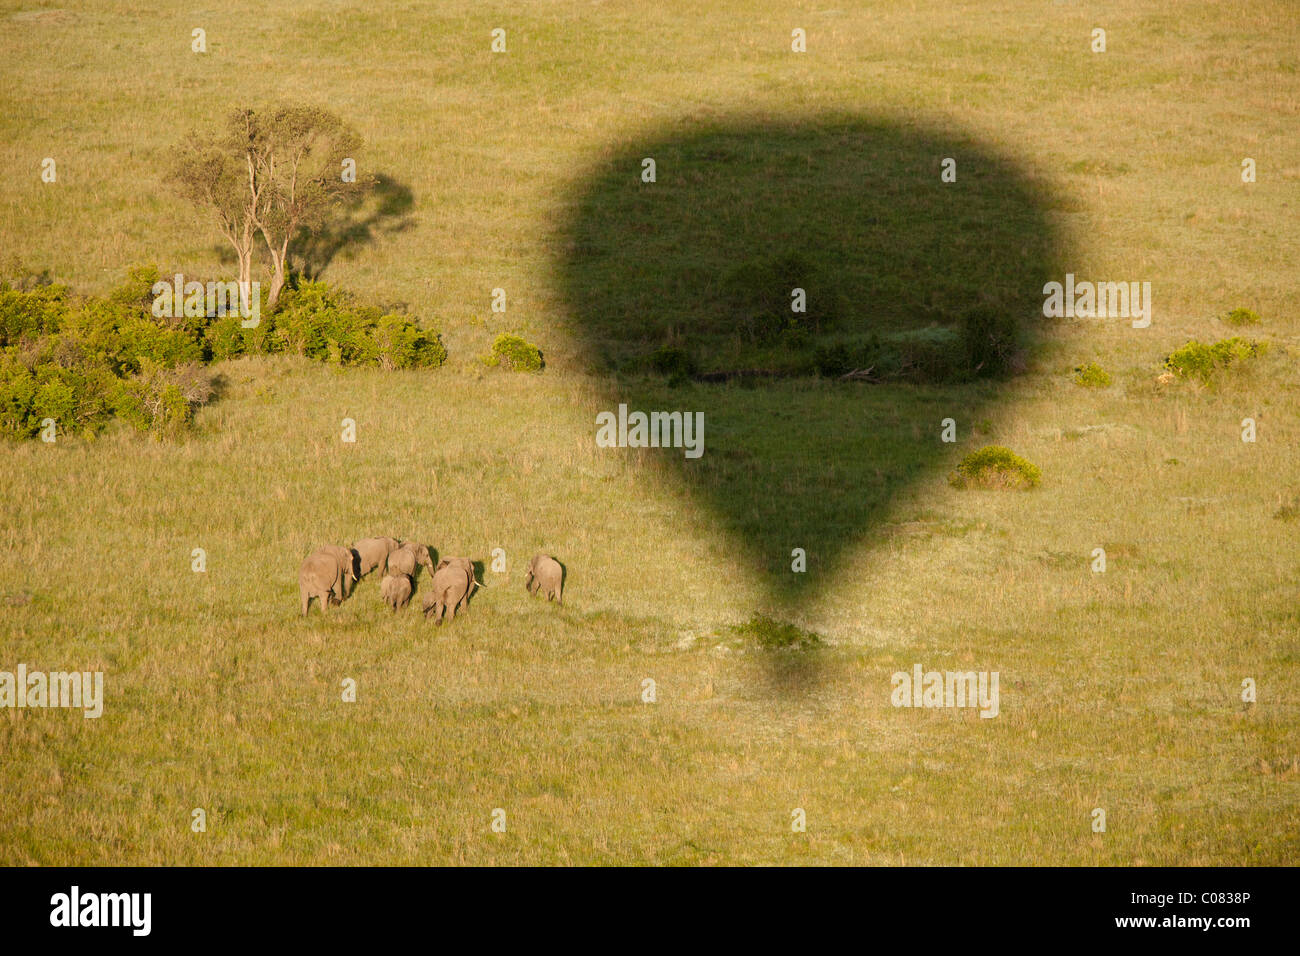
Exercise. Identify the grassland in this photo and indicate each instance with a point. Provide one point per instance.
(1119, 690)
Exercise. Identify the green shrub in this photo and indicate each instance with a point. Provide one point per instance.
(135, 293)
(676, 364)
(1197, 360)
(756, 298)
(83, 362)
(773, 635)
(76, 394)
(141, 340)
(512, 352)
(309, 318)
(994, 466)
(17, 394)
(325, 324)
(163, 400)
(833, 360)
(934, 354)
(1091, 375)
(991, 338)
(403, 344)
(225, 338)
(26, 315)
(1242, 316)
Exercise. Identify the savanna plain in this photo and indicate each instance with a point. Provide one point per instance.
(1120, 690)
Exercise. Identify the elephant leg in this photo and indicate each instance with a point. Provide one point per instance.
(306, 599)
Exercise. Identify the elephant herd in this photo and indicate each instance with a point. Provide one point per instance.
(327, 572)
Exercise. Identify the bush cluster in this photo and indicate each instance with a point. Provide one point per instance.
(756, 301)
(84, 361)
(932, 354)
(774, 635)
(325, 324)
(1204, 362)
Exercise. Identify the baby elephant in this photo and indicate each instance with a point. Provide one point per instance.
(545, 574)
(325, 574)
(396, 589)
(403, 560)
(374, 552)
(450, 589)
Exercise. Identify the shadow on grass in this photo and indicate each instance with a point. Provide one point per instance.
(359, 221)
(922, 297)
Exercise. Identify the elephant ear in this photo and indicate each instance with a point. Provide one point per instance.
(443, 563)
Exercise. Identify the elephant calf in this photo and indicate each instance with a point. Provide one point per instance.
(545, 574)
(450, 589)
(325, 573)
(396, 589)
(403, 560)
(374, 552)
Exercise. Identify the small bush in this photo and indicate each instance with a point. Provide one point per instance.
(163, 400)
(515, 354)
(756, 299)
(1197, 360)
(225, 338)
(934, 354)
(676, 364)
(1288, 512)
(994, 466)
(930, 354)
(833, 360)
(25, 315)
(992, 341)
(1242, 316)
(1091, 375)
(403, 344)
(772, 635)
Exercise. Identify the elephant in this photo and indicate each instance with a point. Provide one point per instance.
(396, 589)
(324, 574)
(450, 589)
(403, 560)
(374, 552)
(545, 574)
(468, 566)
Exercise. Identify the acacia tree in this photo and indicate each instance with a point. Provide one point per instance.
(277, 174)
(211, 176)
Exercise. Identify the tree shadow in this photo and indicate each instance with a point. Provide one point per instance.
(385, 209)
(921, 298)
(358, 221)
